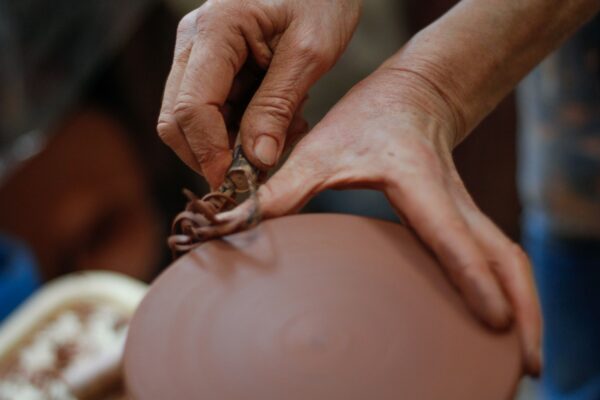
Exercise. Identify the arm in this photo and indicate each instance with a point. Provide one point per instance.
(395, 132)
(474, 55)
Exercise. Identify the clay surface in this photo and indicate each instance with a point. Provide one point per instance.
(319, 307)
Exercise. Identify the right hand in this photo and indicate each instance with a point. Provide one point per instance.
(223, 49)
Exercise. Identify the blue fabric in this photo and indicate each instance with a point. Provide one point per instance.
(568, 276)
(559, 157)
(559, 171)
(19, 276)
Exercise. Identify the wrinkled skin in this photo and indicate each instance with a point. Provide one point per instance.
(401, 145)
(222, 51)
(249, 64)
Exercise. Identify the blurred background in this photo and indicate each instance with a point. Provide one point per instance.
(85, 183)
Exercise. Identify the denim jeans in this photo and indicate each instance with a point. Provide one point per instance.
(568, 277)
(559, 179)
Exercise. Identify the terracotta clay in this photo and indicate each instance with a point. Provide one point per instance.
(314, 307)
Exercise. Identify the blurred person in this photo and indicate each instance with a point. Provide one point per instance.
(73, 191)
(249, 65)
(559, 180)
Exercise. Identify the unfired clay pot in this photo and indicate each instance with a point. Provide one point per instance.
(314, 307)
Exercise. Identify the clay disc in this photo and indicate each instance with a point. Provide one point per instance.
(314, 307)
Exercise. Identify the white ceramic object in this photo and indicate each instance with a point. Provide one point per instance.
(90, 285)
(100, 287)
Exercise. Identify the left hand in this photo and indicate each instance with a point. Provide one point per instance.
(394, 132)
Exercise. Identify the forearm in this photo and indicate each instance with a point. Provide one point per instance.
(476, 53)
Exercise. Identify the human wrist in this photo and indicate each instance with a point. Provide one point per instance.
(409, 89)
(474, 55)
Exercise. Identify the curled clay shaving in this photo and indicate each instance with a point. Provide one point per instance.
(204, 218)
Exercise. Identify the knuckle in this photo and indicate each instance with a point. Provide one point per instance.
(278, 107)
(310, 49)
(215, 13)
(184, 39)
(184, 111)
(208, 17)
(164, 129)
(235, 10)
(221, 26)
(204, 24)
(186, 24)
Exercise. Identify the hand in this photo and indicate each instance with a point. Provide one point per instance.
(218, 84)
(391, 133)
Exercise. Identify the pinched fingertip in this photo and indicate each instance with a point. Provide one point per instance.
(215, 169)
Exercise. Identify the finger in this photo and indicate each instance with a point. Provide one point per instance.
(291, 187)
(216, 57)
(297, 130)
(167, 127)
(430, 210)
(298, 127)
(295, 67)
(245, 83)
(513, 269)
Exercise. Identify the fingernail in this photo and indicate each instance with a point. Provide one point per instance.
(265, 149)
(535, 363)
(533, 356)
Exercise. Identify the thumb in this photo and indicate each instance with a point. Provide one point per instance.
(295, 67)
(287, 191)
